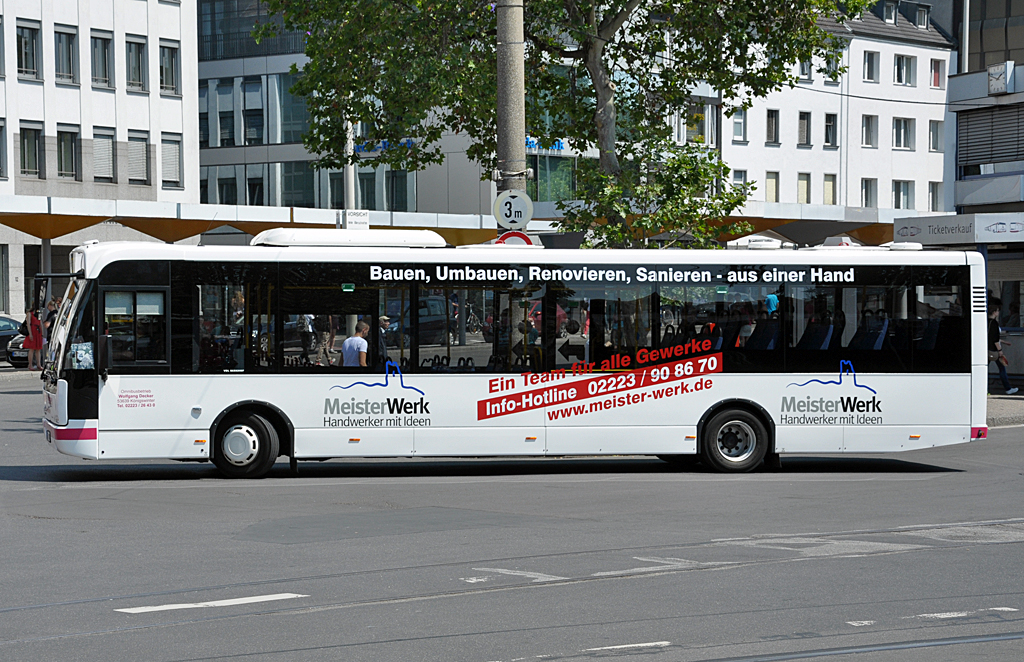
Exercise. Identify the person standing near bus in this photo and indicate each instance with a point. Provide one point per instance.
(995, 347)
(353, 350)
(34, 340)
(382, 346)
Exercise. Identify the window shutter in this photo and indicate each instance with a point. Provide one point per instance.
(829, 190)
(103, 156)
(170, 162)
(138, 166)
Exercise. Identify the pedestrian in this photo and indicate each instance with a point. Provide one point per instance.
(353, 350)
(995, 347)
(34, 340)
(382, 346)
(51, 319)
(322, 327)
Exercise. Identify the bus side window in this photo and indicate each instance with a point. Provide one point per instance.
(137, 325)
(221, 328)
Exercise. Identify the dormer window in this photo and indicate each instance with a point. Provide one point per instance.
(922, 18)
(890, 12)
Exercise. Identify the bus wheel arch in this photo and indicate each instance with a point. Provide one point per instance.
(274, 416)
(747, 419)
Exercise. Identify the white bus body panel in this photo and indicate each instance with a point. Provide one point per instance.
(439, 415)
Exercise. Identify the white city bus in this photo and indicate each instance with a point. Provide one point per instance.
(235, 354)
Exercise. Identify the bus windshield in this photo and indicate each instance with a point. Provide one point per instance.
(74, 337)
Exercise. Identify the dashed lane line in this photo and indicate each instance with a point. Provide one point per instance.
(215, 603)
(535, 576)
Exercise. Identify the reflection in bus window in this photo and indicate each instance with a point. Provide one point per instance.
(119, 324)
(221, 328)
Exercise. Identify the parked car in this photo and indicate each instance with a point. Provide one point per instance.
(8, 330)
(17, 356)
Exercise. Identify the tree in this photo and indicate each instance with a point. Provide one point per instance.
(605, 76)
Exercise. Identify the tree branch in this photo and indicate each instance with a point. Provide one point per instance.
(611, 24)
(545, 46)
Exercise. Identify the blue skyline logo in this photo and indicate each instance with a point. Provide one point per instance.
(845, 367)
(388, 367)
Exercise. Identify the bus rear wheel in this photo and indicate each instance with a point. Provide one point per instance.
(734, 441)
(247, 446)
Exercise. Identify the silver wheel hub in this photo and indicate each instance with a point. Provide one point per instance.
(240, 445)
(736, 441)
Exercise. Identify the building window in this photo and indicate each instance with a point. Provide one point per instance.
(831, 130)
(227, 128)
(170, 161)
(367, 190)
(934, 196)
(138, 157)
(28, 50)
(871, 66)
(294, 115)
(771, 187)
(67, 154)
(869, 193)
(297, 184)
(806, 71)
(227, 191)
(254, 126)
(903, 70)
(889, 13)
(902, 195)
(397, 190)
(832, 71)
(935, 135)
(937, 74)
(103, 155)
(773, 128)
(739, 126)
(922, 17)
(804, 130)
(254, 191)
(869, 131)
(135, 67)
(102, 60)
(32, 151)
(3, 150)
(902, 133)
(828, 190)
(65, 40)
(169, 69)
(739, 177)
(336, 184)
(803, 188)
(204, 130)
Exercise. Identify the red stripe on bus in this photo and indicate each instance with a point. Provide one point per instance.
(74, 434)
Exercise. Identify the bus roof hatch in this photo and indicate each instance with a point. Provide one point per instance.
(349, 238)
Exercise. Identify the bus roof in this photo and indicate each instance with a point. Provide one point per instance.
(93, 257)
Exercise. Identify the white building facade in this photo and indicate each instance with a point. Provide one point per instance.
(864, 146)
(98, 105)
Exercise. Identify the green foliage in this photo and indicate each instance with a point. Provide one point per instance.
(604, 76)
(683, 202)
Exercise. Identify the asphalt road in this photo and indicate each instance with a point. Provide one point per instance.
(908, 557)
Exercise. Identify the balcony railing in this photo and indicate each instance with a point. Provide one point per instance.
(241, 44)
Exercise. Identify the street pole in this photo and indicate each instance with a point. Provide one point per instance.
(511, 111)
(349, 171)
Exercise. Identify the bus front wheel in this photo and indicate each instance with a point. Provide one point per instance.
(247, 446)
(735, 441)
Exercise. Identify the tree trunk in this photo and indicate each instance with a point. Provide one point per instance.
(604, 116)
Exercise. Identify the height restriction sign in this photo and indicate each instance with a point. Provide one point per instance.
(513, 209)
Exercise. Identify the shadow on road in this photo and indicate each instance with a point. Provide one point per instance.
(443, 468)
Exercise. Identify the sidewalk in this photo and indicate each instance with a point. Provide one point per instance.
(1005, 410)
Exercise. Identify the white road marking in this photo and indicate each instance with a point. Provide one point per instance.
(860, 624)
(214, 603)
(960, 614)
(650, 644)
(535, 576)
(474, 580)
(808, 547)
(667, 564)
(991, 533)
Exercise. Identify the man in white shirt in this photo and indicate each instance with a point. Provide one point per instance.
(353, 350)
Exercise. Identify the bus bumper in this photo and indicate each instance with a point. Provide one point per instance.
(78, 438)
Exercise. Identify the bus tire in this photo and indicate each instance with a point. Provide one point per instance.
(734, 441)
(247, 446)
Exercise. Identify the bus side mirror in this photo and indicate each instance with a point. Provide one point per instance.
(104, 351)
